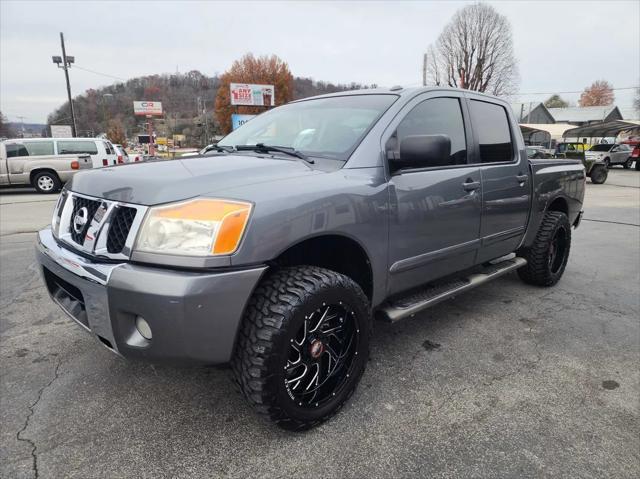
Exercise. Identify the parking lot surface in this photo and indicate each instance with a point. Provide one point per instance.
(508, 380)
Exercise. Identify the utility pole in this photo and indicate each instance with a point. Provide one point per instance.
(21, 118)
(66, 62)
(424, 70)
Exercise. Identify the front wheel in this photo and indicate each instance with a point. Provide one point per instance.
(303, 345)
(548, 255)
(599, 174)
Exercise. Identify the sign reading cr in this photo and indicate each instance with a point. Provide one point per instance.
(147, 108)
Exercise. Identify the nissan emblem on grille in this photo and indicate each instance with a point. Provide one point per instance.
(80, 219)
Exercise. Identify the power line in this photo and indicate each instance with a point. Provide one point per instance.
(576, 91)
(99, 73)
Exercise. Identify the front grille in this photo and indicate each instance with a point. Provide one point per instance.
(120, 227)
(110, 224)
(80, 202)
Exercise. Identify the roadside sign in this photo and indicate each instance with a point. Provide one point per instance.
(252, 95)
(143, 108)
(161, 140)
(238, 120)
(61, 131)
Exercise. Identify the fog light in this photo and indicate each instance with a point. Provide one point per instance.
(143, 327)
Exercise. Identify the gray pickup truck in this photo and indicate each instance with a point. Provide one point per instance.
(275, 253)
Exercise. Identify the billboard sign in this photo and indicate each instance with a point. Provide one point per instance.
(144, 108)
(238, 120)
(252, 95)
(61, 131)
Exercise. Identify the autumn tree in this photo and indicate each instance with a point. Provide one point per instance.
(5, 129)
(600, 93)
(250, 69)
(474, 52)
(116, 134)
(555, 101)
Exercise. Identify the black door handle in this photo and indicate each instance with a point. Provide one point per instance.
(522, 178)
(471, 185)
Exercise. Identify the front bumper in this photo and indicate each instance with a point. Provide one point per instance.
(194, 316)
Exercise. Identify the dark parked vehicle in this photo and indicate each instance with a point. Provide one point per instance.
(594, 165)
(275, 253)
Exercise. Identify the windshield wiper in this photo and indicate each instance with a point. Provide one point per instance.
(262, 148)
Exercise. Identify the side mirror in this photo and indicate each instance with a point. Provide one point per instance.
(424, 151)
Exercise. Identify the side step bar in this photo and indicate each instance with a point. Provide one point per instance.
(437, 292)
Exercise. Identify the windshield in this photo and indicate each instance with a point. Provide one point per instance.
(601, 147)
(326, 127)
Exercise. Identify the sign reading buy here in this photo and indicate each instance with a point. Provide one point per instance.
(252, 95)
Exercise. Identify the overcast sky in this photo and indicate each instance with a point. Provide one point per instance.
(561, 46)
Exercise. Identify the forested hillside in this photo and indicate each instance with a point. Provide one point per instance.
(184, 97)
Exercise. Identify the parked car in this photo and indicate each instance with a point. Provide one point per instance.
(611, 154)
(276, 259)
(635, 152)
(24, 162)
(595, 167)
(121, 154)
(535, 153)
(101, 151)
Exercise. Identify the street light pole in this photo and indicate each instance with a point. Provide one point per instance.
(66, 64)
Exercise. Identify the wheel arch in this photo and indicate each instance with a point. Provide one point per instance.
(35, 171)
(337, 252)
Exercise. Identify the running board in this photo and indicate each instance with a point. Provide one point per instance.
(434, 293)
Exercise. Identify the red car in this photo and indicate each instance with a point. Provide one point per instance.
(635, 154)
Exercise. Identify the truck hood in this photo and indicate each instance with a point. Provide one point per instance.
(164, 181)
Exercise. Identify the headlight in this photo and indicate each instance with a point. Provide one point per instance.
(201, 227)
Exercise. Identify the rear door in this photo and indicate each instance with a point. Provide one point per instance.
(506, 181)
(435, 211)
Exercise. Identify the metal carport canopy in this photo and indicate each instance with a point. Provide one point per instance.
(602, 129)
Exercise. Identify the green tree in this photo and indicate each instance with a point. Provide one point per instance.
(555, 101)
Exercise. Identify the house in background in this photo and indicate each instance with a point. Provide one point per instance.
(532, 112)
(585, 115)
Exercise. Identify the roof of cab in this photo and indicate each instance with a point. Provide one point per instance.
(395, 90)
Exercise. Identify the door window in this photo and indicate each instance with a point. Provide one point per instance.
(16, 149)
(491, 124)
(433, 117)
(39, 148)
(77, 147)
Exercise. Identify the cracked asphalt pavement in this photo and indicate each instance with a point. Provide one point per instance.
(508, 380)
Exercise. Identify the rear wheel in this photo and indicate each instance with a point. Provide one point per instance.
(46, 182)
(303, 345)
(627, 164)
(548, 255)
(599, 174)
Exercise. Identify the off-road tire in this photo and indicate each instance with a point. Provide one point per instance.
(46, 182)
(272, 318)
(599, 174)
(538, 270)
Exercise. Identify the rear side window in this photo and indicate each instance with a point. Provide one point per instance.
(39, 148)
(109, 148)
(16, 149)
(77, 147)
(433, 117)
(491, 124)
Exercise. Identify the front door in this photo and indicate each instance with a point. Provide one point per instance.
(435, 222)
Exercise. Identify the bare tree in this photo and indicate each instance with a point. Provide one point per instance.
(475, 52)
